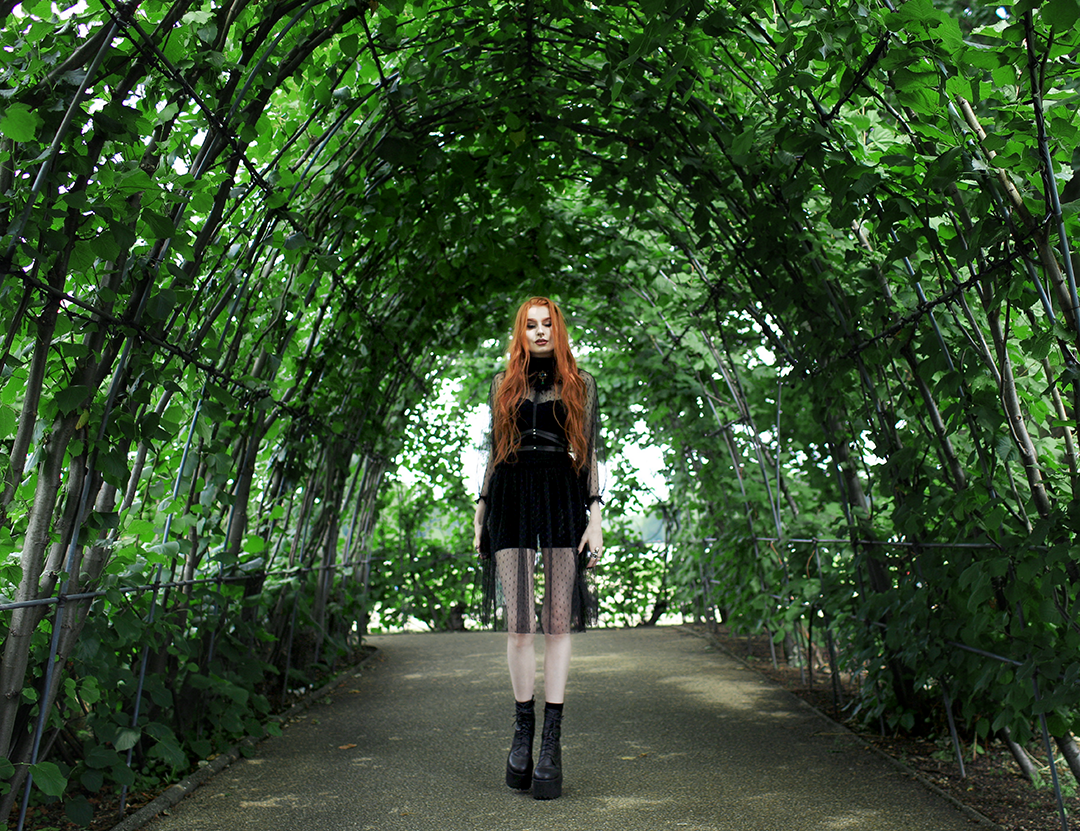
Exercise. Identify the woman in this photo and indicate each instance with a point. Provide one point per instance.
(541, 493)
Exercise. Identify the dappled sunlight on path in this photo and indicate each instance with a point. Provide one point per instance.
(661, 731)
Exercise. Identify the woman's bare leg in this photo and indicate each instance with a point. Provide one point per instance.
(521, 658)
(556, 667)
(560, 572)
(516, 576)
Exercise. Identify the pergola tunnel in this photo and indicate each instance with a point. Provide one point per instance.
(258, 262)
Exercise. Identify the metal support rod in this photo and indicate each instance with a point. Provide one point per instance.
(1050, 758)
(213, 630)
(39, 726)
(142, 681)
(172, 584)
(704, 589)
(292, 632)
(776, 438)
(833, 663)
(952, 729)
(837, 690)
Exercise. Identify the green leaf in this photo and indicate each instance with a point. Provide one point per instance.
(8, 421)
(398, 151)
(161, 304)
(1062, 15)
(161, 227)
(170, 752)
(142, 529)
(102, 756)
(70, 398)
(201, 747)
(349, 45)
(19, 122)
(92, 780)
(123, 774)
(919, 11)
(79, 810)
(126, 738)
(48, 778)
(112, 462)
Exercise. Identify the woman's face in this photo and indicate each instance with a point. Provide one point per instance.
(538, 331)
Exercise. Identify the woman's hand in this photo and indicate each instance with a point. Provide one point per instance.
(478, 524)
(593, 539)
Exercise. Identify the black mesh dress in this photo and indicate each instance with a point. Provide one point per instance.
(536, 502)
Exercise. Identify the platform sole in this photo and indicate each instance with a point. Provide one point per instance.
(519, 781)
(547, 788)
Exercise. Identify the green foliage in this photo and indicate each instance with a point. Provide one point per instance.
(423, 565)
(802, 249)
(48, 778)
(423, 568)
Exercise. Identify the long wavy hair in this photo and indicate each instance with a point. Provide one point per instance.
(515, 386)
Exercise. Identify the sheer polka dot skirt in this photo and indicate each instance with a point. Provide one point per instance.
(517, 577)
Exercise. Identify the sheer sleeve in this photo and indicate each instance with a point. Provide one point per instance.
(594, 467)
(489, 439)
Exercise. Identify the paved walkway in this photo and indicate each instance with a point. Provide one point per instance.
(661, 731)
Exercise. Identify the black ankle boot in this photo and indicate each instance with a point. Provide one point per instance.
(519, 764)
(547, 777)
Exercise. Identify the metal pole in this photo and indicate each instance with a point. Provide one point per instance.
(1050, 758)
(952, 730)
(833, 668)
(142, 680)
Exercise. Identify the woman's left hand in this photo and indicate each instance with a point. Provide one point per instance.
(593, 539)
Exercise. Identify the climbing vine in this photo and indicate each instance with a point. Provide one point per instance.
(818, 253)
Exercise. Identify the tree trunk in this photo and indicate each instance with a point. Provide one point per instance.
(23, 621)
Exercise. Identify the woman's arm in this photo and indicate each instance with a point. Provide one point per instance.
(489, 468)
(593, 538)
(478, 522)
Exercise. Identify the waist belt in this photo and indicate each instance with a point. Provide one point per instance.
(546, 447)
(557, 440)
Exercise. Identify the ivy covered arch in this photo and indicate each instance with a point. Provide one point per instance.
(239, 240)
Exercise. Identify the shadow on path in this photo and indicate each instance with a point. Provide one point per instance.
(661, 731)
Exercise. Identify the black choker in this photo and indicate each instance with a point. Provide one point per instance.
(541, 372)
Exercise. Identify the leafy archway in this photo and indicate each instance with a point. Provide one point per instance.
(240, 239)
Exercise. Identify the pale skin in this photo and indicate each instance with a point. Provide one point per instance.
(519, 646)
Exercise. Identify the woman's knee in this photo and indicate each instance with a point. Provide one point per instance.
(520, 640)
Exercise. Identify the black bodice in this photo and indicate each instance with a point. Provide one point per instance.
(541, 417)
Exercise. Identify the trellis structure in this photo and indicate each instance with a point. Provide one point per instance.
(821, 250)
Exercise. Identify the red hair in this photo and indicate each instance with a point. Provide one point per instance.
(515, 386)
